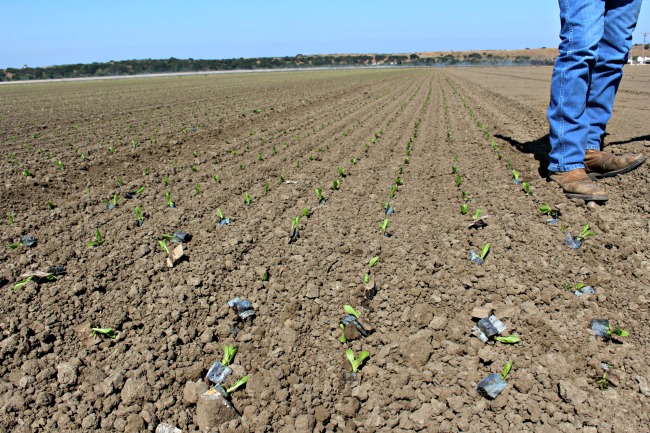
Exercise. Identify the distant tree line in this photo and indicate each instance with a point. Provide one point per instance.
(149, 66)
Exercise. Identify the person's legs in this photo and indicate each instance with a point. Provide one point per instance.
(582, 23)
(619, 22)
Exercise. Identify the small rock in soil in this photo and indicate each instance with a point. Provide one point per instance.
(167, 428)
(66, 373)
(135, 391)
(192, 391)
(213, 410)
(312, 291)
(305, 423)
(643, 386)
(570, 393)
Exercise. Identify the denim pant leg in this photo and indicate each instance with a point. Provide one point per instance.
(582, 27)
(620, 20)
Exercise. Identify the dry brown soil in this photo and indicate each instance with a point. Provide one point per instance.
(254, 130)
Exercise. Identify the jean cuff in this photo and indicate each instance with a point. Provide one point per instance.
(593, 147)
(561, 168)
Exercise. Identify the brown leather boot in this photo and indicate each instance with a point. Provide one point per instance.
(602, 164)
(576, 184)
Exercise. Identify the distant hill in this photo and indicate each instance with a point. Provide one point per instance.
(533, 56)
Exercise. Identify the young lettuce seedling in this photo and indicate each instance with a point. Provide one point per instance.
(139, 216)
(341, 172)
(506, 369)
(584, 233)
(241, 382)
(515, 177)
(59, 165)
(616, 331)
(454, 170)
(294, 229)
(464, 209)
(216, 178)
(545, 209)
(319, 195)
(10, 218)
(384, 227)
(168, 198)
(399, 181)
(247, 198)
(373, 261)
(108, 332)
(163, 245)
(99, 241)
(477, 214)
(508, 339)
(336, 184)
(465, 195)
(139, 190)
(197, 189)
(356, 362)
(485, 249)
(393, 191)
(306, 212)
(229, 353)
(526, 187)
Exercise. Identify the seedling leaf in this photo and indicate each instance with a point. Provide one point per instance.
(485, 250)
(229, 353)
(237, 384)
(348, 309)
(506, 369)
(373, 261)
(103, 331)
(508, 339)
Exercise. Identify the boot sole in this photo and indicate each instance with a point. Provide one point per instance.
(629, 168)
(587, 197)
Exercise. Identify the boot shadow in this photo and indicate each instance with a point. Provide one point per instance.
(539, 147)
(631, 140)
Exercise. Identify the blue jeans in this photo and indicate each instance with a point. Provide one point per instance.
(596, 37)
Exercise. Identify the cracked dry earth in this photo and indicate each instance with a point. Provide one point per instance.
(69, 148)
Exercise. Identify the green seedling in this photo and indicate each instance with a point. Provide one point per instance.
(10, 218)
(194, 154)
(99, 241)
(366, 278)
(247, 198)
(241, 382)
(306, 212)
(27, 173)
(193, 167)
(120, 182)
(168, 199)
(281, 179)
(145, 172)
(336, 184)
(112, 149)
(134, 144)
(459, 180)
(485, 249)
(508, 339)
(115, 198)
(24, 282)
(407, 160)
(260, 157)
(294, 223)
(108, 332)
(197, 189)
(603, 383)
(373, 261)
(463, 209)
(526, 188)
(384, 226)
(545, 209)
(137, 211)
(353, 161)
(399, 181)
(348, 309)
(59, 165)
(215, 178)
(454, 169)
(563, 228)
(616, 331)
(49, 205)
(465, 195)
(229, 353)
(477, 214)
(14, 246)
(319, 195)
(139, 190)
(242, 166)
(356, 362)
(393, 191)
(220, 214)
(506, 369)
(584, 233)
(509, 164)
(341, 172)
(515, 175)
(163, 245)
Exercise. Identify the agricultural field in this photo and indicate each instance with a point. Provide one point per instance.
(305, 192)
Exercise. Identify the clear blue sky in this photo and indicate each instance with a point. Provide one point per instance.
(54, 32)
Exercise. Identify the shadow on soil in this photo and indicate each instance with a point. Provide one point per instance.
(538, 147)
(631, 140)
